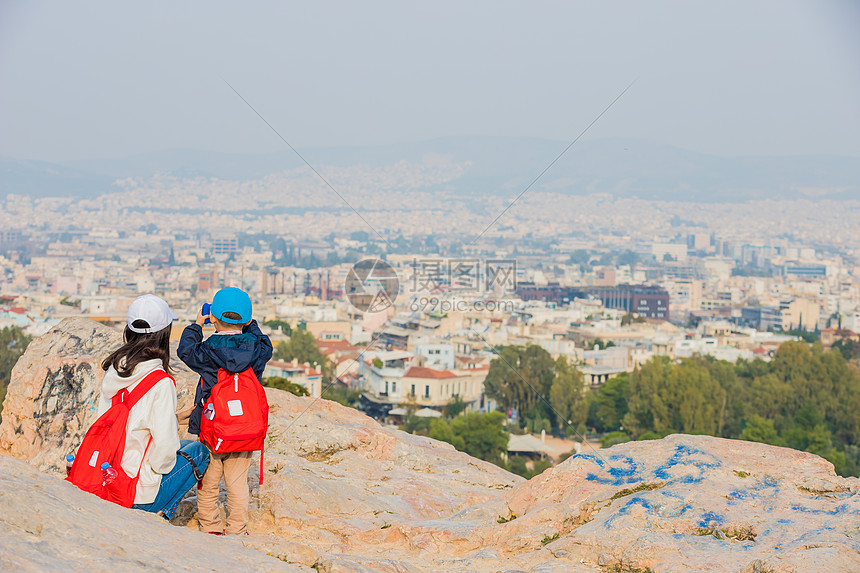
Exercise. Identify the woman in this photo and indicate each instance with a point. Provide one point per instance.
(167, 467)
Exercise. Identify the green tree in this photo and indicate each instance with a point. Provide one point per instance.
(768, 395)
(13, 343)
(806, 398)
(303, 347)
(631, 318)
(702, 399)
(517, 375)
(805, 335)
(483, 435)
(849, 349)
(579, 257)
(609, 405)
(284, 384)
(517, 465)
(758, 429)
(604, 260)
(416, 424)
(668, 396)
(539, 466)
(537, 425)
(441, 430)
(816, 440)
(454, 407)
(628, 258)
(645, 406)
(567, 394)
(852, 460)
(732, 412)
(281, 325)
(342, 394)
(613, 438)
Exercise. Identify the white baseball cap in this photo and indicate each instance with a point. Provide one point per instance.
(151, 309)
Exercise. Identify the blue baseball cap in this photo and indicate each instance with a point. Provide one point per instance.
(232, 299)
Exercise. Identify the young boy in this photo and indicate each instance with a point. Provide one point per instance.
(236, 346)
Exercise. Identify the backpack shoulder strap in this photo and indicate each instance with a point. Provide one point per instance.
(143, 457)
(144, 386)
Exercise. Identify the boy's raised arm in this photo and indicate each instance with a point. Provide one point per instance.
(190, 349)
(266, 348)
(253, 328)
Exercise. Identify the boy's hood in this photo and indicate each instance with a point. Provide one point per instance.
(113, 382)
(233, 352)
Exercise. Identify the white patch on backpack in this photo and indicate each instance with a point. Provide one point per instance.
(235, 407)
(95, 458)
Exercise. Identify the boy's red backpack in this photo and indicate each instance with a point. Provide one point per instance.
(105, 442)
(236, 416)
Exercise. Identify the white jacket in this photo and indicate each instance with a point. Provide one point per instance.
(154, 415)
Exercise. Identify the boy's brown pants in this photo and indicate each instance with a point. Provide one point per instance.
(233, 467)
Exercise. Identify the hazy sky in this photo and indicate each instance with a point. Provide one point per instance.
(106, 79)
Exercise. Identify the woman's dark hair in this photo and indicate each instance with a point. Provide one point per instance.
(138, 348)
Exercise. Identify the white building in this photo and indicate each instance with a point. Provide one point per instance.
(440, 356)
(302, 374)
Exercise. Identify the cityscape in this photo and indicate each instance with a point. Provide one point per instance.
(483, 287)
(563, 272)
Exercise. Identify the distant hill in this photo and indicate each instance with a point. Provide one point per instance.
(43, 179)
(497, 165)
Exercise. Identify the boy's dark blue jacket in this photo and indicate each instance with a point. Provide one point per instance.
(232, 352)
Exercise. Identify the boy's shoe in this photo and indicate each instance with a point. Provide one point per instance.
(215, 532)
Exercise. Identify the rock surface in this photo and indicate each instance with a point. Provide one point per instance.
(683, 503)
(342, 493)
(47, 524)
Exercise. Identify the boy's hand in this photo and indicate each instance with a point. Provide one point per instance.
(184, 415)
(201, 318)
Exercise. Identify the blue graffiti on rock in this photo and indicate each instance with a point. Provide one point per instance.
(687, 465)
(622, 470)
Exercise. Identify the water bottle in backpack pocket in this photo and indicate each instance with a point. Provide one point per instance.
(104, 444)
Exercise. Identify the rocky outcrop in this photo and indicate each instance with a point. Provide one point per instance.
(684, 503)
(342, 493)
(47, 524)
(54, 390)
(330, 471)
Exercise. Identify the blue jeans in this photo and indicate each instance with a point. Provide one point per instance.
(176, 483)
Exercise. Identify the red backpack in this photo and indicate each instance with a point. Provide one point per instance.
(236, 416)
(105, 442)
